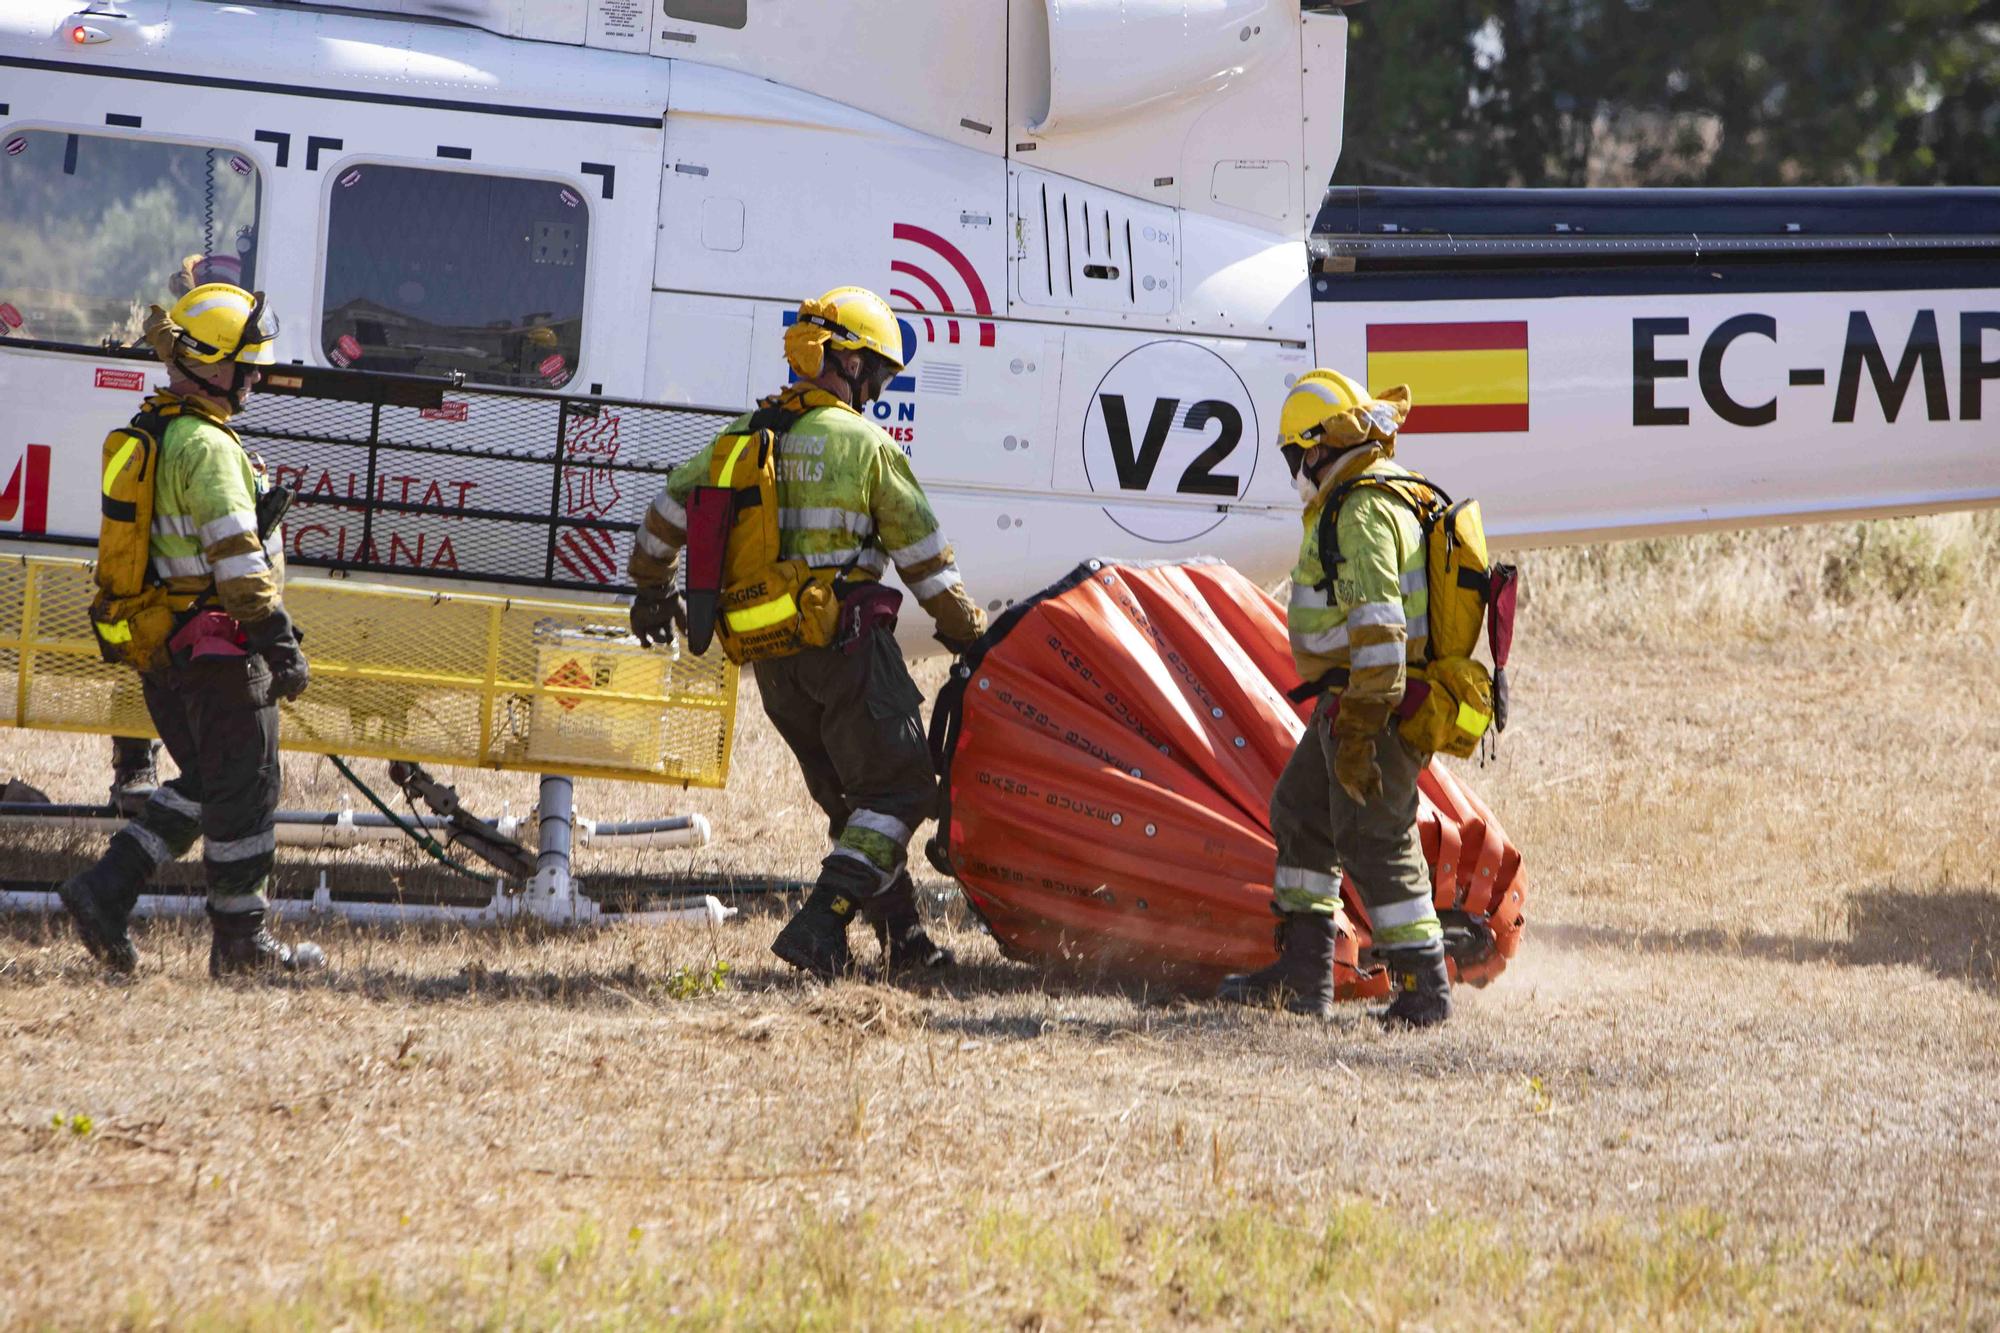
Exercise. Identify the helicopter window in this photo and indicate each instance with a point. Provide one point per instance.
(100, 227)
(720, 13)
(429, 272)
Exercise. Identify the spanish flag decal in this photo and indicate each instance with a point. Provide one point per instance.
(1462, 377)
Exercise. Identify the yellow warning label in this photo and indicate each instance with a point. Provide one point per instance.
(454, 678)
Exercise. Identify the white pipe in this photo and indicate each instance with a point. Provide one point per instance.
(310, 828)
(578, 911)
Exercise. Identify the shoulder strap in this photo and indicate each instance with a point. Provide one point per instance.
(1329, 517)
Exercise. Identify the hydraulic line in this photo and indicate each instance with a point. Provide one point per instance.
(424, 840)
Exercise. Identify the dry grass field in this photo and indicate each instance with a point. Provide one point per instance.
(1743, 1072)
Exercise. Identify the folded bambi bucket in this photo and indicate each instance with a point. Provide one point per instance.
(1107, 753)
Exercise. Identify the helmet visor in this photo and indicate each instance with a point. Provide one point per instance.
(258, 345)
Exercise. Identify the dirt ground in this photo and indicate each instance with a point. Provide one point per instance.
(1743, 1071)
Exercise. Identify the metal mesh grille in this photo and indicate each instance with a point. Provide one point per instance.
(486, 486)
(537, 686)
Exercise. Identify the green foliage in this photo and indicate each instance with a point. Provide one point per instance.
(1639, 92)
(79, 1125)
(689, 983)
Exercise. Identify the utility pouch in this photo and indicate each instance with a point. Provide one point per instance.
(782, 611)
(208, 634)
(866, 608)
(1456, 711)
(133, 631)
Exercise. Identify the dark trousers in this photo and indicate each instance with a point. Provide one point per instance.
(216, 720)
(854, 722)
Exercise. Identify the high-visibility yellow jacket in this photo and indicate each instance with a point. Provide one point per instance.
(1371, 620)
(845, 493)
(204, 543)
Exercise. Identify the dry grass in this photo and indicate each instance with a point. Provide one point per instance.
(1743, 1072)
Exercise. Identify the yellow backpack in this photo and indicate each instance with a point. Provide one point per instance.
(132, 613)
(1454, 702)
(738, 583)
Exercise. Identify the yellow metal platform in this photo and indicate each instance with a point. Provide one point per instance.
(453, 678)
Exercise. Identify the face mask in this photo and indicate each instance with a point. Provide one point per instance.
(1308, 488)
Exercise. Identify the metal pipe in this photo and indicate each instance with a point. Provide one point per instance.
(346, 828)
(503, 907)
(555, 810)
(294, 828)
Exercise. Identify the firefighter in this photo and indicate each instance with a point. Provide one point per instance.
(212, 689)
(1348, 798)
(849, 505)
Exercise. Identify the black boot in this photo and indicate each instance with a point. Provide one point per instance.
(815, 939)
(899, 929)
(1421, 986)
(1301, 979)
(241, 944)
(101, 899)
(134, 771)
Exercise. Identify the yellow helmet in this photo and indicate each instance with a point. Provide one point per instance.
(1326, 407)
(217, 322)
(846, 318)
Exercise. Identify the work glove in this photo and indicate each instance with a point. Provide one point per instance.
(159, 332)
(274, 640)
(1357, 726)
(656, 614)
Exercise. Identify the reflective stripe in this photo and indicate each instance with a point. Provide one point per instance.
(229, 525)
(1297, 877)
(241, 566)
(943, 581)
(181, 566)
(842, 520)
(1410, 580)
(241, 849)
(1471, 721)
(1410, 912)
(1375, 613)
(870, 559)
(1324, 642)
(1419, 628)
(1307, 598)
(152, 843)
(172, 801)
(885, 877)
(117, 463)
(275, 546)
(173, 525)
(924, 549)
(115, 631)
(1376, 655)
(238, 904)
(886, 825)
(762, 617)
(729, 465)
(215, 302)
(672, 512)
(653, 546)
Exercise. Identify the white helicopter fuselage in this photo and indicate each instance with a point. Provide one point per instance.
(1096, 221)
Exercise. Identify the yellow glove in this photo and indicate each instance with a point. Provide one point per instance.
(1358, 725)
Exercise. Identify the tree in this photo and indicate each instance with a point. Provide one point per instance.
(1695, 92)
